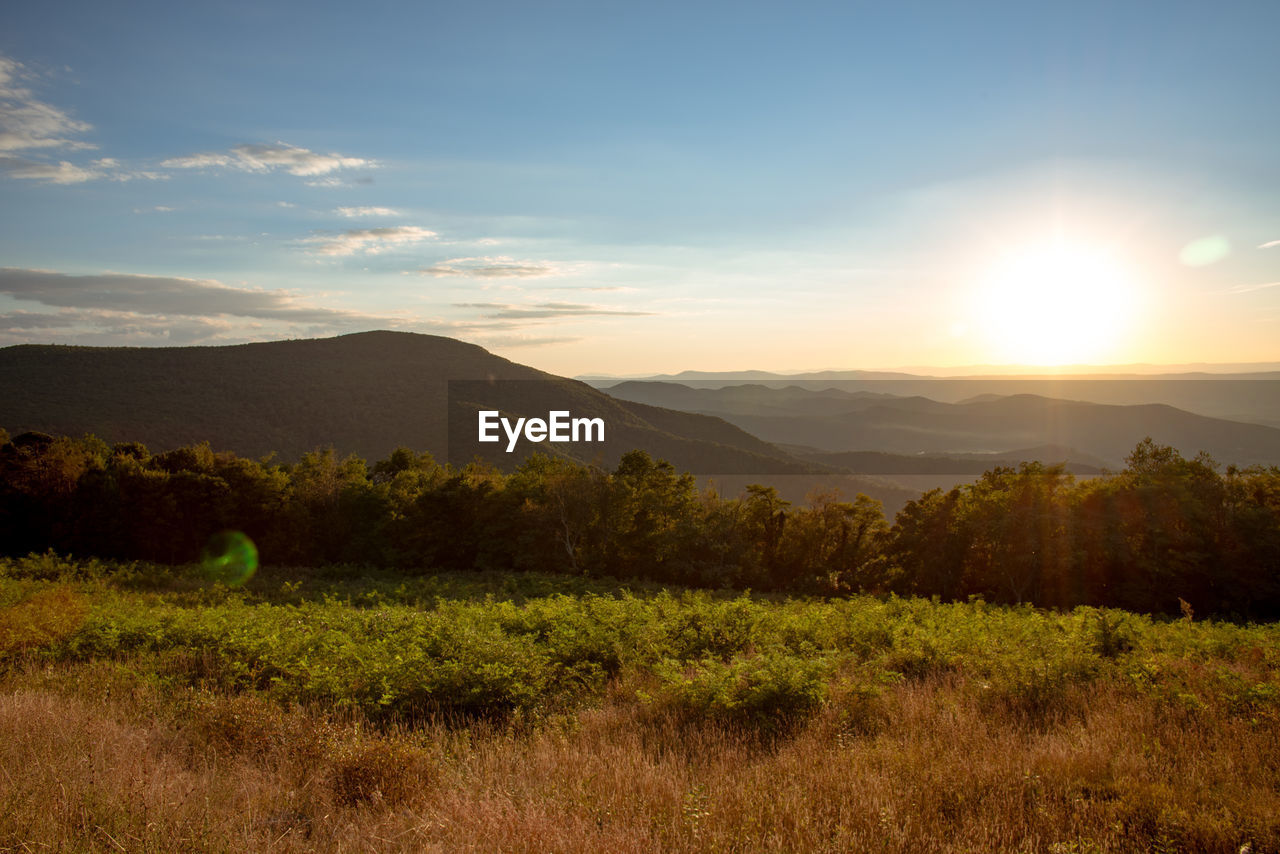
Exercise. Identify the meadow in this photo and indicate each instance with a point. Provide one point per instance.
(146, 707)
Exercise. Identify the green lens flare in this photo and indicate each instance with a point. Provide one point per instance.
(230, 557)
(1205, 251)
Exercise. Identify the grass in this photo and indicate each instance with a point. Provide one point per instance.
(142, 709)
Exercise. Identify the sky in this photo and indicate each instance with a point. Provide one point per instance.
(635, 188)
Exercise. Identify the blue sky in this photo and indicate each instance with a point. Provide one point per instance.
(634, 188)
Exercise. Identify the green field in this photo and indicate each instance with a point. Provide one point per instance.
(148, 708)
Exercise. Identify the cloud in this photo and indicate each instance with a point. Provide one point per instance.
(593, 289)
(1248, 289)
(61, 172)
(369, 241)
(331, 182)
(161, 295)
(491, 268)
(131, 309)
(27, 122)
(28, 321)
(96, 326)
(29, 125)
(64, 172)
(523, 341)
(368, 211)
(198, 161)
(544, 310)
(265, 158)
(1269, 244)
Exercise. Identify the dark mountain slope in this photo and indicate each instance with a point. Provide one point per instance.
(365, 393)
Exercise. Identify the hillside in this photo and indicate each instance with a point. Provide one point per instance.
(836, 420)
(366, 393)
(1249, 397)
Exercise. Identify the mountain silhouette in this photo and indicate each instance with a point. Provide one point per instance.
(366, 393)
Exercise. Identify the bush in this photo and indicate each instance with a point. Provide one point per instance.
(766, 691)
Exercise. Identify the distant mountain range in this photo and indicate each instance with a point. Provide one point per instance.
(1248, 397)
(369, 393)
(366, 393)
(837, 421)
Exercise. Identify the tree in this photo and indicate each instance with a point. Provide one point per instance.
(834, 546)
(928, 545)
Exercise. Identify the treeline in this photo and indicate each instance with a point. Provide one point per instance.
(1163, 532)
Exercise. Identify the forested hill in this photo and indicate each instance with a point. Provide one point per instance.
(836, 420)
(366, 393)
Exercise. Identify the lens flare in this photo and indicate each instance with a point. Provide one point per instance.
(230, 558)
(1205, 251)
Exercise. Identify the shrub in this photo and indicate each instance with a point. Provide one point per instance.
(43, 618)
(765, 691)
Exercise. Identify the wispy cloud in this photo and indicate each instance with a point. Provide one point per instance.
(543, 310)
(29, 127)
(1248, 289)
(160, 295)
(27, 122)
(62, 172)
(30, 321)
(366, 211)
(131, 309)
(509, 341)
(65, 172)
(100, 326)
(125, 308)
(293, 159)
(499, 267)
(114, 328)
(369, 241)
(593, 288)
(1269, 244)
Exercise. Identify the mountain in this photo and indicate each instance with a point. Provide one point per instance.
(985, 425)
(750, 399)
(1249, 397)
(366, 393)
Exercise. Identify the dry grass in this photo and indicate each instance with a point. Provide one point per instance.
(93, 758)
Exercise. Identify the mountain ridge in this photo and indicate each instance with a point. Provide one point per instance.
(918, 425)
(364, 393)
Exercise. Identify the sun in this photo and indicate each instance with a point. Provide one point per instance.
(1055, 303)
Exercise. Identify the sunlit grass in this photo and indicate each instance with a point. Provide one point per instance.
(175, 716)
